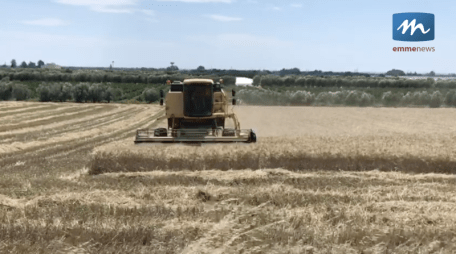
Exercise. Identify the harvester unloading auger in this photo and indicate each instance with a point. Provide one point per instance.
(196, 110)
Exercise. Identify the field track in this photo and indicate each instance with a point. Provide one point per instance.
(73, 182)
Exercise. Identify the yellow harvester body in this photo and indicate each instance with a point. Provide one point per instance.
(196, 110)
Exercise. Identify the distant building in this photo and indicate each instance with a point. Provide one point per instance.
(52, 66)
(240, 81)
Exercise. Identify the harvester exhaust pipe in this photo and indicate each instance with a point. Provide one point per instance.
(162, 94)
(233, 93)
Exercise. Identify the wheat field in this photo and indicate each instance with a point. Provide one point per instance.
(319, 180)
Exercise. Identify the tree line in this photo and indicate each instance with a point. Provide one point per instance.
(81, 92)
(160, 77)
(347, 81)
(25, 65)
(100, 92)
(99, 76)
(266, 97)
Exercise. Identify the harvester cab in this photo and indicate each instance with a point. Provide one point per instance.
(196, 111)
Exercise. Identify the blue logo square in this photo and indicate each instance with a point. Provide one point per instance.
(413, 26)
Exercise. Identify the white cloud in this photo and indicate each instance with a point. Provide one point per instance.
(148, 12)
(296, 5)
(199, 1)
(152, 20)
(250, 40)
(45, 22)
(241, 40)
(98, 2)
(108, 6)
(110, 10)
(224, 18)
(274, 8)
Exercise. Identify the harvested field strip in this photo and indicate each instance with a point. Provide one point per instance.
(232, 211)
(51, 120)
(13, 104)
(50, 204)
(347, 121)
(24, 118)
(302, 180)
(28, 109)
(126, 135)
(89, 116)
(52, 117)
(84, 124)
(20, 107)
(305, 153)
(75, 136)
(300, 190)
(130, 163)
(64, 147)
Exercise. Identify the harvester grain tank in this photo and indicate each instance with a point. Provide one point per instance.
(196, 112)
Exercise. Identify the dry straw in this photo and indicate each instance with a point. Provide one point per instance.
(304, 153)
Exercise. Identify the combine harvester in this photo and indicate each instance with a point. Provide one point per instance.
(196, 110)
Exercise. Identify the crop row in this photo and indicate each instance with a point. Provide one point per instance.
(304, 153)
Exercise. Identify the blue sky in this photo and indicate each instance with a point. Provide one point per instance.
(331, 35)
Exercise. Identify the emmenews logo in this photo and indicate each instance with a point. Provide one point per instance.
(413, 26)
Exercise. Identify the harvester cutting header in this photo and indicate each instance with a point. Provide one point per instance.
(196, 110)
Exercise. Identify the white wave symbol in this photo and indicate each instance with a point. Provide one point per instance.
(405, 26)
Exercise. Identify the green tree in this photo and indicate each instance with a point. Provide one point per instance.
(96, 92)
(108, 95)
(6, 90)
(256, 80)
(436, 100)
(40, 63)
(44, 93)
(32, 65)
(172, 67)
(151, 95)
(200, 68)
(395, 72)
(23, 64)
(450, 98)
(80, 92)
(20, 92)
(13, 63)
(117, 93)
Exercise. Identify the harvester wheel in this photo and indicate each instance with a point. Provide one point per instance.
(160, 132)
(229, 132)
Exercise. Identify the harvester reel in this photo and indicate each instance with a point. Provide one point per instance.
(229, 132)
(160, 132)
